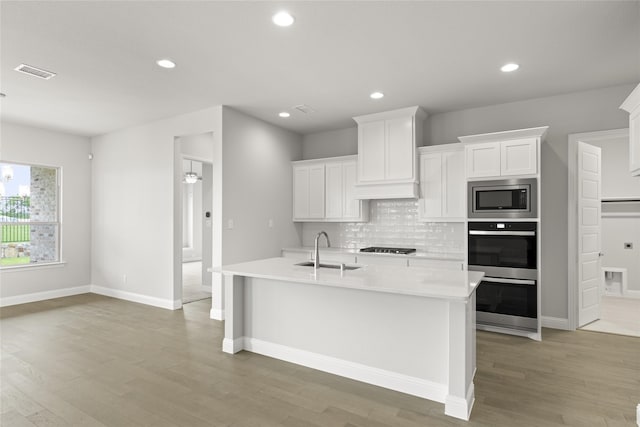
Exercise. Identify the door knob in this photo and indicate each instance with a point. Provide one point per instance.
(600, 254)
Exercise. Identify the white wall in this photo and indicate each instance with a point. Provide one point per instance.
(257, 187)
(616, 180)
(137, 206)
(587, 111)
(615, 232)
(24, 144)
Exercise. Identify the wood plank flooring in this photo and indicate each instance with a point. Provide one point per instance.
(90, 360)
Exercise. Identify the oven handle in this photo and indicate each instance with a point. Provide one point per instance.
(510, 281)
(501, 233)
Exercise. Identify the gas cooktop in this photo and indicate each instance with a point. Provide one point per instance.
(381, 250)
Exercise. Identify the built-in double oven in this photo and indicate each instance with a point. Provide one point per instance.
(507, 253)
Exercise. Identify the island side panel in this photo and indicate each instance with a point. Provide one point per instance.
(234, 332)
(395, 341)
(462, 358)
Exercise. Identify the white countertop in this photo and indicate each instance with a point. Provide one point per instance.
(417, 281)
(444, 256)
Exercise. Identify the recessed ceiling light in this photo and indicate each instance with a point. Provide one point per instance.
(283, 19)
(284, 114)
(166, 63)
(507, 68)
(376, 95)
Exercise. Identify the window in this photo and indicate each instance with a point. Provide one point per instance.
(29, 215)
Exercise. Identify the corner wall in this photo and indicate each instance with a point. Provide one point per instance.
(135, 213)
(25, 144)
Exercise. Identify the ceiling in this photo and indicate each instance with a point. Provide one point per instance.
(443, 56)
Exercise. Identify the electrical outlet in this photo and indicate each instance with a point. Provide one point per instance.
(124, 278)
(270, 223)
(628, 245)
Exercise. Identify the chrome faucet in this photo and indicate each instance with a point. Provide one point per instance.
(316, 261)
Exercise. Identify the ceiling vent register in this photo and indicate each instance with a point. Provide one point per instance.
(35, 71)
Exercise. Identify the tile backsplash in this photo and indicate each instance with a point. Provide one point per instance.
(391, 223)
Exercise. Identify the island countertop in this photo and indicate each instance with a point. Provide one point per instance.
(416, 281)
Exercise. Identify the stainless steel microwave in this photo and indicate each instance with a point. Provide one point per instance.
(504, 198)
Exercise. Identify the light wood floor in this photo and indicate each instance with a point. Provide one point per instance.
(192, 289)
(618, 315)
(90, 360)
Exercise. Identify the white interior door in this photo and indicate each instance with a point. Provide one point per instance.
(589, 230)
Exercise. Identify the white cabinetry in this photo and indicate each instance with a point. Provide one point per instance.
(436, 263)
(511, 153)
(323, 191)
(387, 159)
(308, 191)
(442, 183)
(632, 105)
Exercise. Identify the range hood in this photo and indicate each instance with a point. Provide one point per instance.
(387, 154)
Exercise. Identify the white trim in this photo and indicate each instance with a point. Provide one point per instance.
(379, 377)
(555, 323)
(537, 132)
(572, 214)
(216, 314)
(631, 294)
(34, 266)
(42, 296)
(232, 346)
(458, 407)
(139, 298)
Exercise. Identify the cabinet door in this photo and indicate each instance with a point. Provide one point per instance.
(483, 160)
(436, 263)
(300, 192)
(431, 185)
(371, 152)
(519, 157)
(333, 190)
(634, 142)
(454, 185)
(351, 205)
(400, 149)
(316, 191)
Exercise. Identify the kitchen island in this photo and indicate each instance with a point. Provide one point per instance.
(410, 329)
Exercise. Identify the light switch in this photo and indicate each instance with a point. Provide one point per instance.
(230, 224)
(270, 223)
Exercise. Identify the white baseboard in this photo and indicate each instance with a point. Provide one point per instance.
(216, 314)
(139, 298)
(459, 407)
(555, 323)
(232, 346)
(42, 296)
(631, 294)
(379, 377)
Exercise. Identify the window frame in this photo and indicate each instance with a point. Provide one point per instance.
(58, 214)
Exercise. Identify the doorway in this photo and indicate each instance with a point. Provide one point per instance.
(194, 217)
(604, 234)
(196, 227)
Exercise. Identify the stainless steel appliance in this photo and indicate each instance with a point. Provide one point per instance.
(505, 198)
(383, 250)
(507, 253)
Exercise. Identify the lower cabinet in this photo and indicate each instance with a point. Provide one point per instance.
(436, 263)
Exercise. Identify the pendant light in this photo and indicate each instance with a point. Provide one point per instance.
(191, 177)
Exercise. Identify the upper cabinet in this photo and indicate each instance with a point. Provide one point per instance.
(498, 154)
(323, 190)
(308, 191)
(387, 154)
(442, 183)
(632, 106)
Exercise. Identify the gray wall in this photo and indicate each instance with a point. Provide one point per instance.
(564, 114)
(25, 144)
(256, 187)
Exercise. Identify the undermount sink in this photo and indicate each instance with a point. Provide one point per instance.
(336, 266)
